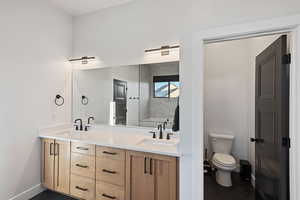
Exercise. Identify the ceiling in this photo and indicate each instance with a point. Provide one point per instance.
(80, 7)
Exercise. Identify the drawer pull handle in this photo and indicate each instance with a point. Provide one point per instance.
(51, 149)
(82, 148)
(108, 171)
(82, 166)
(80, 188)
(151, 170)
(108, 196)
(110, 153)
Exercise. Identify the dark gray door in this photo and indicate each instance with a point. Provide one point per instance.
(272, 122)
(120, 97)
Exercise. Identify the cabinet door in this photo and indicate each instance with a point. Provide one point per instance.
(165, 171)
(139, 179)
(48, 163)
(62, 166)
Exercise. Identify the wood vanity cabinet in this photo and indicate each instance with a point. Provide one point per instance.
(56, 165)
(93, 172)
(83, 177)
(150, 177)
(48, 163)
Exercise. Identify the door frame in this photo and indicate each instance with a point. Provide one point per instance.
(192, 69)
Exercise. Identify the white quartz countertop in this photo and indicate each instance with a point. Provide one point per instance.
(118, 138)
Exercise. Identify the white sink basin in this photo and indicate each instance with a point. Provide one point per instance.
(158, 142)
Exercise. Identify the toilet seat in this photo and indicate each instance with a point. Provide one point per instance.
(224, 160)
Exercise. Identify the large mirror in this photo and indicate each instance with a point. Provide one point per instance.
(137, 95)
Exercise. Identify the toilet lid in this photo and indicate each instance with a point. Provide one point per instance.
(224, 159)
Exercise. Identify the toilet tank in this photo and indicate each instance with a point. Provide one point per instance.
(221, 143)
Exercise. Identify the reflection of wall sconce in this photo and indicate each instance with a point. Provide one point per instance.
(84, 60)
(165, 50)
(84, 100)
(59, 100)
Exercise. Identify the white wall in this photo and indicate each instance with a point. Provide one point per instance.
(229, 92)
(119, 36)
(36, 41)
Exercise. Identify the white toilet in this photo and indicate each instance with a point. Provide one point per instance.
(222, 160)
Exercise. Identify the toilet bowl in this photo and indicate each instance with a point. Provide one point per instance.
(222, 160)
(225, 164)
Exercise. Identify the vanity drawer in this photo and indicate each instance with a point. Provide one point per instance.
(111, 153)
(110, 171)
(105, 191)
(83, 188)
(82, 148)
(83, 165)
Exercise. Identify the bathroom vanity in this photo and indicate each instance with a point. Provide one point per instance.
(104, 164)
(121, 146)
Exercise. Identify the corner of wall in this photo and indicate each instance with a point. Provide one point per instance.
(28, 194)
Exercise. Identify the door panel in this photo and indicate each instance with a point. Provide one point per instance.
(165, 179)
(120, 98)
(48, 163)
(139, 183)
(272, 123)
(62, 166)
(151, 177)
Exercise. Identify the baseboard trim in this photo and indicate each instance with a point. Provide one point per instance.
(253, 180)
(28, 194)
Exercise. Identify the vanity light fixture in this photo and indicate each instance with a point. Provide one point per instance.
(165, 50)
(84, 60)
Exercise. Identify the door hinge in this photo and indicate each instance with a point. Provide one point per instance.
(286, 141)
(286, 60)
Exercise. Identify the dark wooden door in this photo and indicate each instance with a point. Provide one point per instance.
(120, 98)
(272, 123)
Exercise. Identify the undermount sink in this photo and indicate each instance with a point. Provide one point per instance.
(159, 142)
